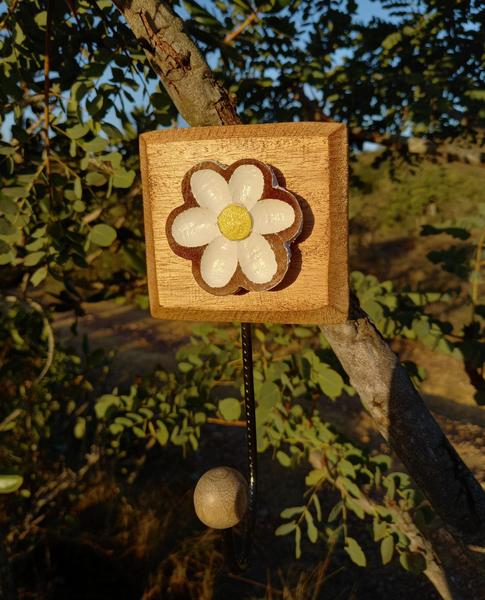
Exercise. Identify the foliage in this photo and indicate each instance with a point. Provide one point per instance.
(294, 367)
(467, 261)
(398, 199)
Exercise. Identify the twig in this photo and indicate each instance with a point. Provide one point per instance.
(323, 568)
(476, 280)
(253, 582)
(9, 418)
(216, 421)
(50, 342)
(10, 12)
(231, 36)
(47, 44)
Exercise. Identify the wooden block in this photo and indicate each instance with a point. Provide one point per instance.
(312, 160)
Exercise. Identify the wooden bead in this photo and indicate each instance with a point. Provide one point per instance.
(221, 498)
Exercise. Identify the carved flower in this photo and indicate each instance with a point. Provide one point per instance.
(235, 225)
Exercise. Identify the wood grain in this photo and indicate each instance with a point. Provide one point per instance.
(312, 158)
(221, 498)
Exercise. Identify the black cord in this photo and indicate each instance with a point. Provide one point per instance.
(238, 562)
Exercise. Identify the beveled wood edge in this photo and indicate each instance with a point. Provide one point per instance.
(304, 129)
(153, 297)
(338, 264)
(327, 314)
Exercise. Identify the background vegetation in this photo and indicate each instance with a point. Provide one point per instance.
(99, 451)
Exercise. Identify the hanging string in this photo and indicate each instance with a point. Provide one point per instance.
(238, 561)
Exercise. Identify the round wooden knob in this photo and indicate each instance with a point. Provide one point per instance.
(221, 498)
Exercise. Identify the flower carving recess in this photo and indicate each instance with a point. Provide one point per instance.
(236, 226)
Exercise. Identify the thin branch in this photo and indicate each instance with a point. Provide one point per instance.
(231, 36)
(47, 45)
(50, 342)
(224, 423)
(415, 145)
(404, 420)
(10, 12)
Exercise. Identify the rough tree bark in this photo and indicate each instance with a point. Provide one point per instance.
(374, 370)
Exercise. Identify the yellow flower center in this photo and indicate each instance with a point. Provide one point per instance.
(235, 222)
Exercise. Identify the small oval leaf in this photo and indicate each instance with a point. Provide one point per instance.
(10, 483)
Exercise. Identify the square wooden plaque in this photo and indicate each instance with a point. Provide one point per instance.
(312, 158)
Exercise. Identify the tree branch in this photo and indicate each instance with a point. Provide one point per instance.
(373, 368)
(415, 145)
(179, 63)
(473, 155)
(404, 420)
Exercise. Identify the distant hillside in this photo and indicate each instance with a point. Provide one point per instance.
(388, 210)
(384, 206)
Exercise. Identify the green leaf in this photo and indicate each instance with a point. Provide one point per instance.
(289, 512)
(96, 145)
(80, 428)
(96, 179)
(230, 409)
(302, 332)
(346, 468)
(79, 206)
(391, 40)
(41, 19)
(32, 259)
(16, 192)
(315, 476)
(7, 205)
(104, 403)
(77, 132)
(38, 276)
(113, 133)
(283, 458)
(6, 228)
(336, 510)
(185, 367)
(78, 188)
(268, 396)
(116, 428)
(123, 178)
(139, 432)
(387, 549)
(10, 483)
(355, 507)
(312, 531)
(6, 149)
(413, 562)
(328, 380)
(102, 235)
(355, 552)
(286, 528)
(318, 508)
(162, 433)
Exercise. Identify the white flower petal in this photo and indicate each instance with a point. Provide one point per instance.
(210, 190)
(271, 216)
(219, 262)
(195, 227)
(246, 185)
(257, 259)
